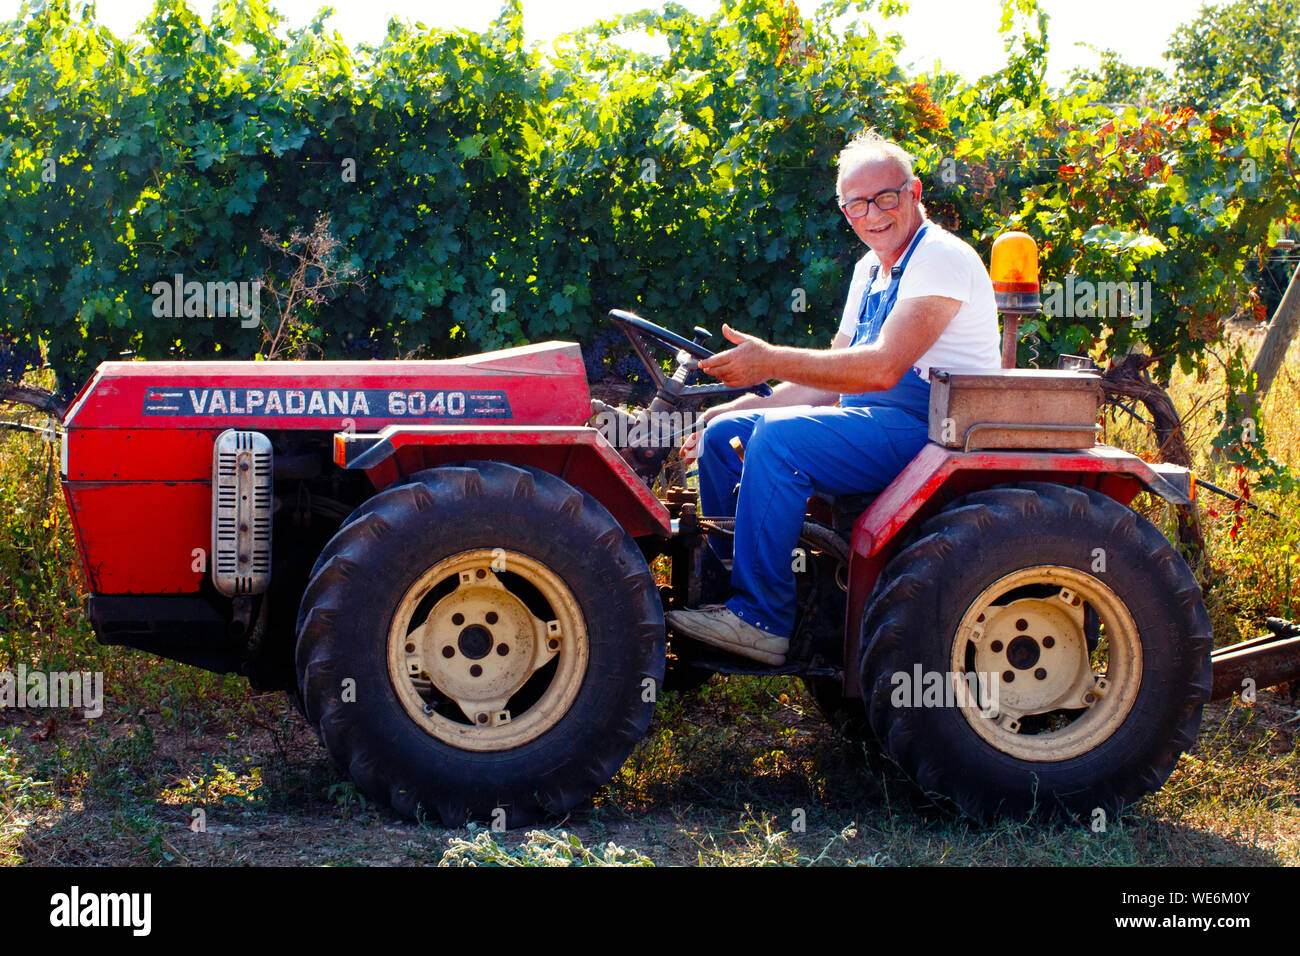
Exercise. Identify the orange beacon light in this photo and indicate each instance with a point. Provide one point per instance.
(1014, 271)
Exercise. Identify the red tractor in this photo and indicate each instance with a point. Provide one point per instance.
(448, 565)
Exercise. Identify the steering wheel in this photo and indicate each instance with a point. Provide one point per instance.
(638, 330)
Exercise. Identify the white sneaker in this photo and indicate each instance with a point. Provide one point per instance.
(716, 624)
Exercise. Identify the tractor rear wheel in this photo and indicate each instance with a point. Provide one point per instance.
(1037, 647)
(482, 642)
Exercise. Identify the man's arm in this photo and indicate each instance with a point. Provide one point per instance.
(914, 325)
(787, 393)
(784, 394)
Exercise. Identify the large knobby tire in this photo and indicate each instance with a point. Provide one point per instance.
(482, 642)
(1000, 583)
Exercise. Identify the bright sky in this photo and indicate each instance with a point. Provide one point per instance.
(960, 33)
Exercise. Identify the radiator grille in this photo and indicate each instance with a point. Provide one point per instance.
(241, 512)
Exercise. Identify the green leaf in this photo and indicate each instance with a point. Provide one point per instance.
(471, 146)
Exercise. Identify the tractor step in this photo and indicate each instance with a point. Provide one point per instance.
(1271, 659)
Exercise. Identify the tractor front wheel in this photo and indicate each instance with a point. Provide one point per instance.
(1037, 647)
(482, 642)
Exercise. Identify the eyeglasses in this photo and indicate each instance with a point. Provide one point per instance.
(885, 200)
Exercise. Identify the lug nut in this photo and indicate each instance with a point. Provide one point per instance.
(1022, 625)
(410, 648)
(475, 670)
(1008, 676)
(1049, 641)
(449, 651)
(1040, 674)
(491, 617)
(996, 647)
(458, 619)
(503, 649)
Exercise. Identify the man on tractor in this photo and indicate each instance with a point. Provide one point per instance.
(920, 298)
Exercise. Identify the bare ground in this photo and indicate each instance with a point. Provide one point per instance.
(742, 772)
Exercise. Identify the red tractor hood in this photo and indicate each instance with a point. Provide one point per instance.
(542, 384)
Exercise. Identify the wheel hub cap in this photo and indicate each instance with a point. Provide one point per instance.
(1032, 652)
(1037, 651)
(457, 670)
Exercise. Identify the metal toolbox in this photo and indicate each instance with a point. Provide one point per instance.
(1013, 408)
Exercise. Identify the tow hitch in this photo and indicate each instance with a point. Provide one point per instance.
(1268, 660)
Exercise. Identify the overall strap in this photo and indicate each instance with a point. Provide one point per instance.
(885, 304)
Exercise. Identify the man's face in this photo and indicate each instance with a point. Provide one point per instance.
(885, 231)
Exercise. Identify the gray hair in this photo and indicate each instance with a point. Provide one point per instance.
(870, 147)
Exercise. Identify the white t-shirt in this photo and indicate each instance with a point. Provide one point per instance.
(942, 265)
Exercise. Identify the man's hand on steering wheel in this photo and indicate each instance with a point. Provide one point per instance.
(744, 369)
(750, 362)
(674, 391)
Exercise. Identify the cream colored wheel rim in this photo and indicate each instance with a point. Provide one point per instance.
(457, 668)
(1040, 694)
